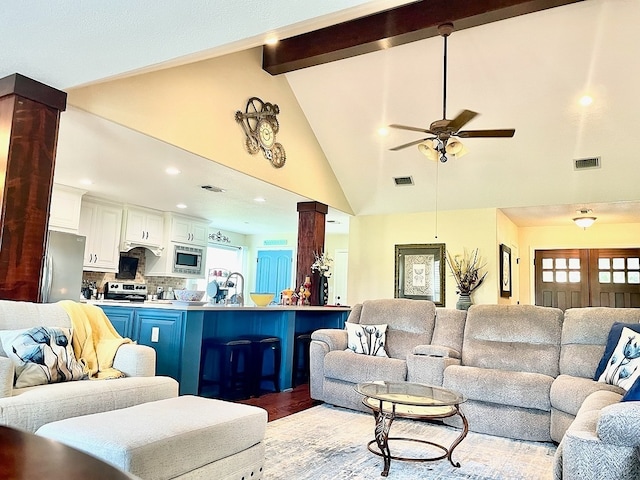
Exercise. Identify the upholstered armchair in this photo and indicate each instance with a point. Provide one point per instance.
(411, 354)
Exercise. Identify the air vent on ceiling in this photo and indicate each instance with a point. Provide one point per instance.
(211, 188)
(584, 163)
(403, 180)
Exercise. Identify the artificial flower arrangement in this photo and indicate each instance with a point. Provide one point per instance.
(322, 265)
(466, 271)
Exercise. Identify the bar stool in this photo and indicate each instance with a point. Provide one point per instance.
(231, 369)
(261, 346)
(301, 358)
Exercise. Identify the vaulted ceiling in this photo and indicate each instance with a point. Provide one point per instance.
(526, 72)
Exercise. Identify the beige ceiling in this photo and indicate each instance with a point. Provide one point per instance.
(525, 73)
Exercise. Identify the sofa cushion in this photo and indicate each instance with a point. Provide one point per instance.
(367, 339)
(584, 335)
(410, 322)
(518, 389)
(30, 408)
(352, 368)
(568, 393)
(42, 355)
(520, 338)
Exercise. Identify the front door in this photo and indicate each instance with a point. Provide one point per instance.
(573, 278)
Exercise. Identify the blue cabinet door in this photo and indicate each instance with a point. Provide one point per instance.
(161, 330)
(274, 272)
(121, 319)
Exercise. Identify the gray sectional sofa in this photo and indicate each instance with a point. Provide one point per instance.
(529, 367)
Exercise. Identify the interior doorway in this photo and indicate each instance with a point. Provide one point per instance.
(573, 278)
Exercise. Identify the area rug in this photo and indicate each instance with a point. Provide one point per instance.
(330, 443)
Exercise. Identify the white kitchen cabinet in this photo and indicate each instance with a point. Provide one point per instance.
(142, 227)
(101, 224)
(64, 211)
(190, 231)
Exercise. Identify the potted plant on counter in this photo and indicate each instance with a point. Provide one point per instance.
(466, 272)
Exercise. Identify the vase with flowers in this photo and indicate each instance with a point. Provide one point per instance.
(321, 267)
(465, 269)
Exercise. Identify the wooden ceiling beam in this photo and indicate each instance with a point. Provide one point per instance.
(389, 28)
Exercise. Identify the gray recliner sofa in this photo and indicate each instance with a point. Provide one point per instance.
(412, 324)
(526, 372)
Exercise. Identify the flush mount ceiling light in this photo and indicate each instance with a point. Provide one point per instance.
(585, 220)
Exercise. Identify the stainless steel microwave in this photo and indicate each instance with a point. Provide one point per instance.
(187, 260)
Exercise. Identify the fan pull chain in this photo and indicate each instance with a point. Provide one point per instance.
(436, 226)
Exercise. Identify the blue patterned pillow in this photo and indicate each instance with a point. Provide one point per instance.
(620, 363)
(367, 339)
(42, 355)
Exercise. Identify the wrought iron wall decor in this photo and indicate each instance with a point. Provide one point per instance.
(260, 126)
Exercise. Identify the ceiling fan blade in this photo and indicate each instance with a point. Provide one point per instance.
(410, 144)
(413, 129)
(486, 133)
(461, 120)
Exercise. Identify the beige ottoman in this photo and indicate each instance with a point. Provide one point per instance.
(184, 437)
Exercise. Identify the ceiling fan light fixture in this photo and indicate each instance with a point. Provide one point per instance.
(584, 222)
(455, 147)
(428, 149)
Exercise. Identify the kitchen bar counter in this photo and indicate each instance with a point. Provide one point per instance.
(176, 331)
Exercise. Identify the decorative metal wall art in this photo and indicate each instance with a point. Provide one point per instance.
(260, 125)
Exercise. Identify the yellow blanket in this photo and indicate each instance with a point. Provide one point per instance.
(95, 341)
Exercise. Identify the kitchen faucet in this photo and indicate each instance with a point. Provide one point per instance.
(239, 291)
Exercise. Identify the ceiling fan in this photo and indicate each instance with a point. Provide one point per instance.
(440, 143)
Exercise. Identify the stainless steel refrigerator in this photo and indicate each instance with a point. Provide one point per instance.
(62, 273)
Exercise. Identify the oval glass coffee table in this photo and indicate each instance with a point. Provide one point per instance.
(390, 400)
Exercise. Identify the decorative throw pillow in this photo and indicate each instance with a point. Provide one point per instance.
(367, 339)
(620, 364)
(633, 394)
(42, 355)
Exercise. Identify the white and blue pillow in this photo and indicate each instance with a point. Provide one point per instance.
(367, 339)
(620, 363)
(42, 355)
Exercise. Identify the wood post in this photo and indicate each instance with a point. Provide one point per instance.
(29, 118)
(311, 228)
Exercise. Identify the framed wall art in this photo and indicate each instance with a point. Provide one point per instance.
(419, 273)
(505, 271)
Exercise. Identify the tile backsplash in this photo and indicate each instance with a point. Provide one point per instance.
(152, 282)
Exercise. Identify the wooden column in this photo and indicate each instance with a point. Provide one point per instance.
(29, 117)
(311, 226)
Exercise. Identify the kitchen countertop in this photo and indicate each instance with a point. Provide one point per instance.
(176, 305)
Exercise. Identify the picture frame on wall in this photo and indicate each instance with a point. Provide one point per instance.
(419, 272)
(505, 271)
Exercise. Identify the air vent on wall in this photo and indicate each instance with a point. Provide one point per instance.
(211, 188)
(403, 180)
(584, 163)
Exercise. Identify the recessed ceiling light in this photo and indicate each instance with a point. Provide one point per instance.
(271, 40)
(586, 100)
(181, 205)
(259, 200)
(383, 131)
(172, 171)
(86, 181)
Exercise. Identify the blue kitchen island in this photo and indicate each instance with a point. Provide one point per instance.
(176, 331)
